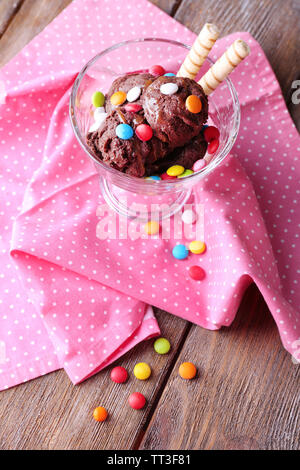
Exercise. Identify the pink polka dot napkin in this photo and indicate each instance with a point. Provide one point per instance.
(70, 300)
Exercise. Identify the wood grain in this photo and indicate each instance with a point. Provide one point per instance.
(50, 413)
(32, 17)
(8, 9)
(274, 24)
(246, 395)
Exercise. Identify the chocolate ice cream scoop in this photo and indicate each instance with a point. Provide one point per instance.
(126, 83)
(165, 108)
(126, 155)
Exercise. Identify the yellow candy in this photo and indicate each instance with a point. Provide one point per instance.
(118, 98)
(175, 170)
(152, 227)
(142, 371)
(197, 247)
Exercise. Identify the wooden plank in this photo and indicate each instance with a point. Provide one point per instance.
(8, 9)
(246, 395)
(51, 413)
(31, 18)
(169, 6)
(275, 25)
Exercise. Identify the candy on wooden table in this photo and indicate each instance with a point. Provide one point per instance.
(98, 99)
(119, 97)
(180, 251)
(197, 247)
(175, 170)
(157, 70)
(137, 401)
(193, 104)
(197, 273)
(144, 132)
(169, 88)
(142, 371)
(100, 414)
(187, 370)
(119, 375)
(162, 346)
(134, 93)
(124, 131)
(152, 227)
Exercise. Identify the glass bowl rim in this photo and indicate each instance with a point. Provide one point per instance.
(140, 182)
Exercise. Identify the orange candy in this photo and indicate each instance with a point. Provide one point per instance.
(100, 413)
(193, 104)
(118, 98)
(187, 370)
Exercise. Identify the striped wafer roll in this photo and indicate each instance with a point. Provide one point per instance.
(199, 51)
(224, 66)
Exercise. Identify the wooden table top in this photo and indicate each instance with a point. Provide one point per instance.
(246, 395)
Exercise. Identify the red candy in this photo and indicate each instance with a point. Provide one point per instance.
(157, 70)
(133, 107)
(165, 176)
(144, 132)
(119, 375)
(196, 273)
(137, 401)
(211, 133)
(212, 146)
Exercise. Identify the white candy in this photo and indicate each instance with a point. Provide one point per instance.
(99, 122)
(98, 112)
(133, 94)
(189, 216)
(169, 88)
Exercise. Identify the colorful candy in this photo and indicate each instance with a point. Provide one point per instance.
(175, 170)
(100, 413)
(99, 113)
(199, 164)
(98, 99)
(189, 216)
(212, 146)
(193, 104)
(144, 132)
(133, 107)
(165, 176)
(137, 401)
(187, 370)
(197, 247)
(170, 74)
(153, 177)
(169, 88)
(124, 131)
(157, 70)
(119, 375)
(196, 273)
(180, 252)
(162, 346)
(186, 173)
(134, 93)
(118, 98)
(210, 133)
(152, 227)
(142, 371)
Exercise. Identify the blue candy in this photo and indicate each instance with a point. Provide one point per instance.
(180, 252)
(156, 178)
(124, 131)
(169, 74)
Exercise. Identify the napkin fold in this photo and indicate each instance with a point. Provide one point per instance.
(74, 301)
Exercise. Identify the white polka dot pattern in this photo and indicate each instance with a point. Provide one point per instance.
(70, 300)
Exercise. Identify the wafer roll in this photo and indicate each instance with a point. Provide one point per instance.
(199, 51)
(224, 66)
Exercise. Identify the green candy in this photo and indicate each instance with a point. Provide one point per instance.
(162, 346)
(98, 99)
(185, 173)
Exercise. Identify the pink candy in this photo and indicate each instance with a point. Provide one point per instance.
(157, 70)
(199, 164)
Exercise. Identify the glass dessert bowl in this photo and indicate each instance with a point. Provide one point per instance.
(139, 198)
